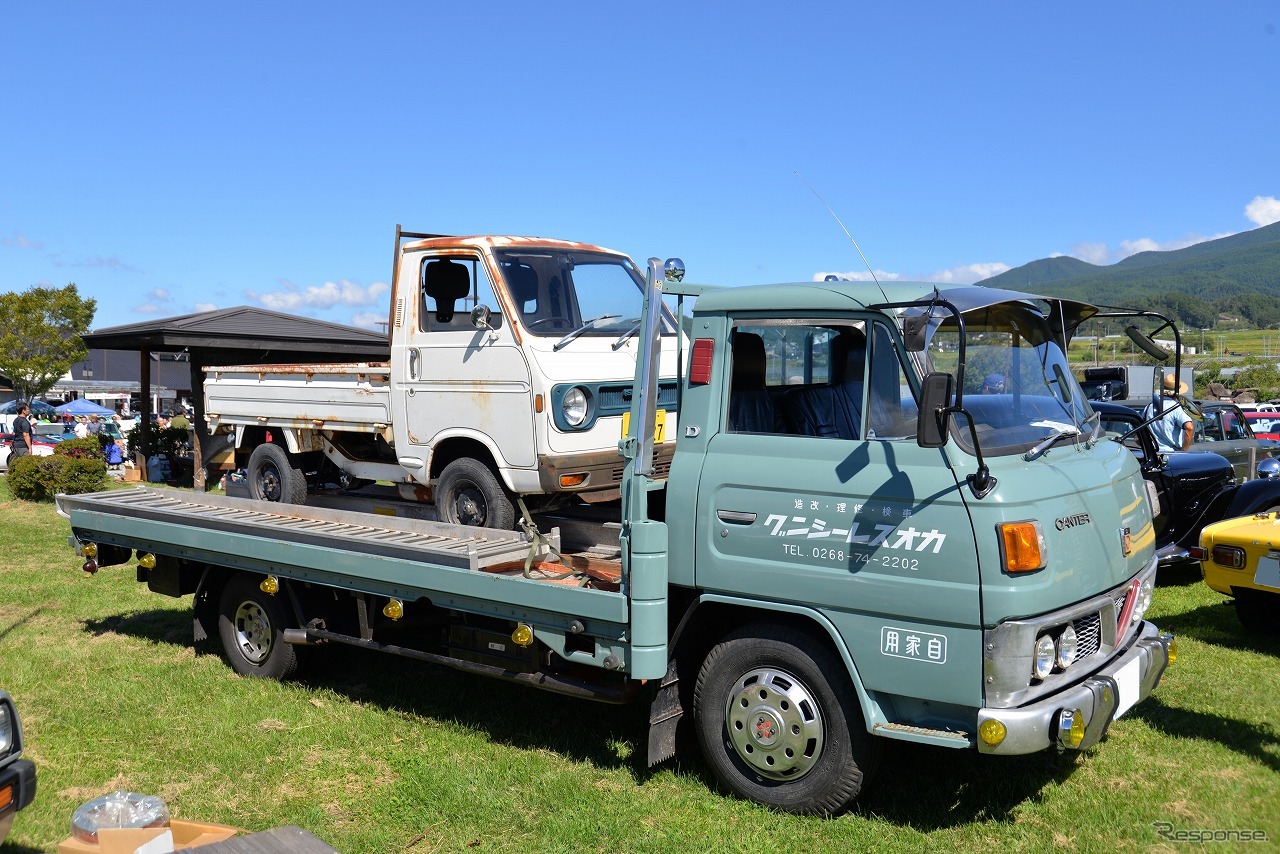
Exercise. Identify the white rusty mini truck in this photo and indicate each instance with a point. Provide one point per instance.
(511, 367)
(851, 545)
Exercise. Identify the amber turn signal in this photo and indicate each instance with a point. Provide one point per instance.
(1022, 546)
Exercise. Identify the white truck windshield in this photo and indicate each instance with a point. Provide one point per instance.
(578, 294)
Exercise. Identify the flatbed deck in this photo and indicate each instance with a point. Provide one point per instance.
(410, 559)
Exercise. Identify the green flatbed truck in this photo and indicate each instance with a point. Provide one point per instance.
(851, 544)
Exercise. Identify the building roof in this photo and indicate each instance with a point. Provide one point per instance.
(257, 332)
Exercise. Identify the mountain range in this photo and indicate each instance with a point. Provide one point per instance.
(1242, 264)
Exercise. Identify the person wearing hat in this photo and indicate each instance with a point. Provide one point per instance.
(993, 384)
(1173, 430)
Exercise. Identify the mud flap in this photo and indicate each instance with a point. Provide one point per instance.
(664, 717)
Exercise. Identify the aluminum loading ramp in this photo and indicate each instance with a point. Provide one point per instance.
(438, 543)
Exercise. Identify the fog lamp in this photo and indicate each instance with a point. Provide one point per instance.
(147, 561)
(89, 549)
(523, 635)
(394, 609)
(1145, 592)
(1045, 655)
(1070, 728)
(992, 731)
(270, 585)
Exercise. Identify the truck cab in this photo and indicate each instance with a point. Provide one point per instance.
(977, 564)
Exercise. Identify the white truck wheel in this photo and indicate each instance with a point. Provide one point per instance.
(273, 476)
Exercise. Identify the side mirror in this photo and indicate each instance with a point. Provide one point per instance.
(480, 316)
(1146, 345)
(933, 421)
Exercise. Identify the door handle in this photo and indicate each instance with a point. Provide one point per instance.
(736, 517)
(413, 364)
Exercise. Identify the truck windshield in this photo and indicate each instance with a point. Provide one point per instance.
(587, 294)
(1017, 384)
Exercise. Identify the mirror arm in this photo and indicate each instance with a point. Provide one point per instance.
(981, 481)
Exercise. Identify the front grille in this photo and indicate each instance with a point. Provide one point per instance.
(1088, 634)
(613, 398)
(661, 468)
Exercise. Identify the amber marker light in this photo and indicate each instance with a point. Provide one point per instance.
(147, 561)
(523, 635)
(394, 609)
(89, 550)
(1022, 546)
(567, 480)
(270, 585)
(992, 731)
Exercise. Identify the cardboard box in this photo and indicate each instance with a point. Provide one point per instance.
(178, 836)
(131, 475)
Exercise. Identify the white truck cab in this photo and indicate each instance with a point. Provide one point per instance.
(512, 362)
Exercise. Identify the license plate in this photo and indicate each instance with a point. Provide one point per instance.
(1127, 683)
(659, 425)
(1268, 574)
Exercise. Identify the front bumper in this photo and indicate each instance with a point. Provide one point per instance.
(19, 778)
(598, 470)
(1100, 699)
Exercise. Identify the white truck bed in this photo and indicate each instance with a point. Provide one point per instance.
(353, 397)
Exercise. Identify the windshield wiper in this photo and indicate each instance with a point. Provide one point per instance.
(581, 329)
(1038, 450)
(622, 339)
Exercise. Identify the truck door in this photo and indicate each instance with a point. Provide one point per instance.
(815, 494)
(457, 379)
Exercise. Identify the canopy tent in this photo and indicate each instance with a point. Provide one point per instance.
(80, 406)
(38, 407)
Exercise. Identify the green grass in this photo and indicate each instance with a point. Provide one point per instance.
(377, 754)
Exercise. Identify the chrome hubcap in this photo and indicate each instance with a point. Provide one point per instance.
(774, 724)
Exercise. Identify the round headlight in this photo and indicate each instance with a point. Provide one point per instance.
(1046, 655)
(574, 407)
(1067, 647)
(6, 731)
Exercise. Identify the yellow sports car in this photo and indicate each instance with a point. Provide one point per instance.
(1241, 557)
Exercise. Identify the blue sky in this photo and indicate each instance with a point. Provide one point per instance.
(170, 158)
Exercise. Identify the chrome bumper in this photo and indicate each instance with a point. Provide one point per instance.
(1100, 699)
(1173, 555)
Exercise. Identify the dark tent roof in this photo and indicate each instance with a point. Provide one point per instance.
(285, 337)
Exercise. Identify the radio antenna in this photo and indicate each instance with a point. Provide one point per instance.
(846, 234)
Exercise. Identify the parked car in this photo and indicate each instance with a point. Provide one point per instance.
(1221, 428)
(1188, 490)
(1265, 425)
(1241, 558)
(42, 447)
(1224, 430)
(17, 775)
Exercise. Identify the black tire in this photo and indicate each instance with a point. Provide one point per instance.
(251, 626)
(779, 723)
(274, 476)
(1259, 612)
(469, 493)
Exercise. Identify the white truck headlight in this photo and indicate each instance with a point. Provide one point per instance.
(1046, 655)
(573, 407)
(6, 731)
(1068, 644)
(1145, 591)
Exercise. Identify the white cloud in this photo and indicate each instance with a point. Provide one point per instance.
(328, 295)
(1094, 253)
(857, 276)
(1263, 210)
(112, 263)
(205, 306)
(1102, 254)
(967, 274)
(157, 302)
(19, 241)
(370, 320)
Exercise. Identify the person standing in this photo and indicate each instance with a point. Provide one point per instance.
(22, 433)
(1173, 430)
